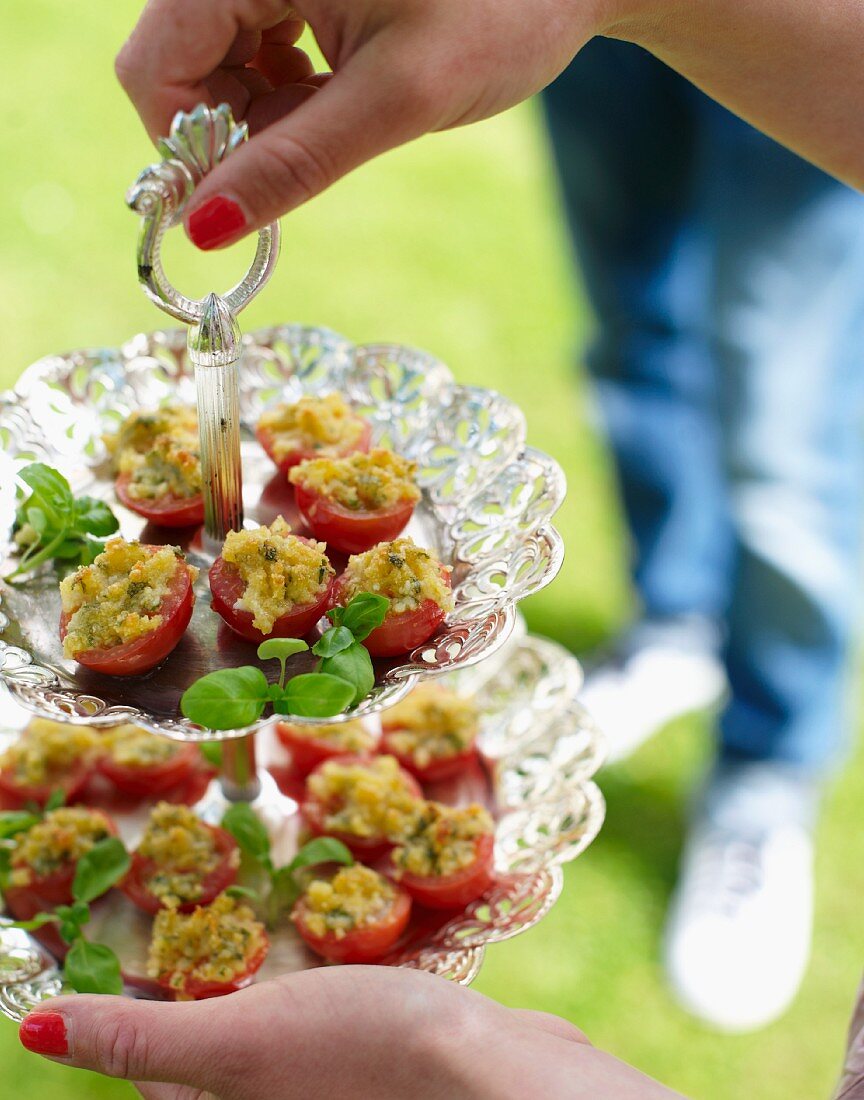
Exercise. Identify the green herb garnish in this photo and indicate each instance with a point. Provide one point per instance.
(285, 883)
(89, 967)
(231, 698)
(51, 524)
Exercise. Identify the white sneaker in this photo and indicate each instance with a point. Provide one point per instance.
(661, 672)
(738, 933)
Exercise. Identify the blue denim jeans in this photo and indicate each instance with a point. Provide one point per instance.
(727, 278)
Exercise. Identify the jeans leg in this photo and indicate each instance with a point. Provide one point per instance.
(622, 128)
(788, 304)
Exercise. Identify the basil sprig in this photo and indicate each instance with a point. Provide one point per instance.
(89, 967)
(51, 524)
(231, 698)
(241, 821)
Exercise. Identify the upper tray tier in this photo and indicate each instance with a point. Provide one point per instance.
(488, 500)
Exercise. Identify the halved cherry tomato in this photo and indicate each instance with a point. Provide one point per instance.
(223, 875)
(165, 511)
(197, 990)
(456, 890)
(401, 631)
(306, 752)
(45, 892)
(441, 767)
(364, 847)
(144, 780)
(15, 795)
(145, 652)
(265, 437)
(228, 587)
(361, 945)
(350, 530)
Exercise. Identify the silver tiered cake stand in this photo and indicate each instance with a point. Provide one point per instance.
(487, 504)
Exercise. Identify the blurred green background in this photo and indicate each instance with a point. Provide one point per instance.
(455, 245)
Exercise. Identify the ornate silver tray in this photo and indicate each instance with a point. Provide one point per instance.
(540, 749)
(487, 507)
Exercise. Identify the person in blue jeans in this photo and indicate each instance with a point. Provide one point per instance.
(727, 278)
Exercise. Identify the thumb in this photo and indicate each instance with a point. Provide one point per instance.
(182, 1044)
(366, 108)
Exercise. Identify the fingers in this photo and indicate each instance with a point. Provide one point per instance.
(171, 1092)
(137, 1040)
(365, 109)
(176, 46)
(554, 1025)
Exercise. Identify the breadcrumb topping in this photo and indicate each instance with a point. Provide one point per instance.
(326, 425)
(62, 837)
(442, 839)
(369, 482)
(366, 800)
(432, 723)
(405, 573)
(355, 897)
(214, 943)
(116, 599)
(279, 570)
(47, 750)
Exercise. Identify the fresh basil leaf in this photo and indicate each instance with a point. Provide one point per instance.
(95, 517)
(353, 665)
(56, 799)
(284, 891)
(77, 913)
(323, 849)
(17, 821)
(333, 641)
(70, 931)
(280, 649)
(239, 892)
(39, 921)
(364, 613)
(5, 867)
(97, 871)
(37, 519)
(212, 753)
(315, 695)
(241, 821)
(51, 488)
(93, 968)
(336, 615)
(226, 699)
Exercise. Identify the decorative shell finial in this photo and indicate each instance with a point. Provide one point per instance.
(198, 142)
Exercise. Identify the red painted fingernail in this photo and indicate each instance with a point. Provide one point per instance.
(217, 221)
(44, 1033)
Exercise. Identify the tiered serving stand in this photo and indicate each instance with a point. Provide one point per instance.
(488, 502)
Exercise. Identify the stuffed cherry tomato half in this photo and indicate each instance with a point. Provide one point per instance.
(448, 859)
(164, 511)
(431, 732)
(181, 862)
(355, 917)
(214, 950)
(268, 583)
(364, 801)
(311, 745)
(313, 427)
(141, 765)
(127, 611)
(48, 757)
(45, 858)
(354, 503)
(415, 582)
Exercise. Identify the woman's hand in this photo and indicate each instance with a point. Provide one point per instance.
(401, 68)
(369, 1033)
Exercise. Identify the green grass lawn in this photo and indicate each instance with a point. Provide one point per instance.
(454, 245)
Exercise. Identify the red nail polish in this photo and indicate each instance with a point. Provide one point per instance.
(217, 221)
(44, 1033)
